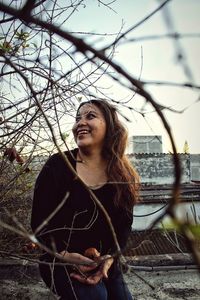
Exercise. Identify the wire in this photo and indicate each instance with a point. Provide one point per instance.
(146, 215)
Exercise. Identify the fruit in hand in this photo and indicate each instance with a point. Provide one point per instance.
(92, 253)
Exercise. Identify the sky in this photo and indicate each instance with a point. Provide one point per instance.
(148, 60)
(151, 60)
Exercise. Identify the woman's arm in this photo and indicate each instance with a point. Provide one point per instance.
(123, 227)
(44, 198)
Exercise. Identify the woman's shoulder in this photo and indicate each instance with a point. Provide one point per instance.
(56, 165)
(57, 158)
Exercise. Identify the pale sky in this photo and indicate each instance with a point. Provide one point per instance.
(149, 60)
(158, 62)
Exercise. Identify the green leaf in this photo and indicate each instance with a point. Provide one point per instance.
(171, 225)
(195, 229)
(64, 135)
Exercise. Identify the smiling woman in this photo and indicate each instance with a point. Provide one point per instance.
(90, 128)
(100, 162)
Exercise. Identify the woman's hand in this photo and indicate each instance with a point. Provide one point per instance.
(88, 275)
(78, 259)
(108, 261)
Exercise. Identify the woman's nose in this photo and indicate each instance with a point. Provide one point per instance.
(82, 121)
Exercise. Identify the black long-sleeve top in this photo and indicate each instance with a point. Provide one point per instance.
(79, 224)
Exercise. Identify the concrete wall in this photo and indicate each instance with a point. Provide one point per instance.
(154, 168)
(158, 168)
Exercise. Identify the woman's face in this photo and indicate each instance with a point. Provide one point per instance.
(90, 127)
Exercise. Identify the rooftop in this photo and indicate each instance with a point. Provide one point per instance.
(156, 242)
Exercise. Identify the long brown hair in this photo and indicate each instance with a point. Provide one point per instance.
(120, 171)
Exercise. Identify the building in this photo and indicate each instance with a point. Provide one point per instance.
(146, 144)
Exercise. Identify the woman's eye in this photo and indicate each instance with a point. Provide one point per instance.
(91, 116)
(78, 119)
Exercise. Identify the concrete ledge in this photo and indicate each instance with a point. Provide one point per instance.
(172, 259)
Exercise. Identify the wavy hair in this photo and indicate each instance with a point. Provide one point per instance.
(120, 171)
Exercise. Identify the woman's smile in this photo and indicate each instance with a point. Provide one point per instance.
(81, 131)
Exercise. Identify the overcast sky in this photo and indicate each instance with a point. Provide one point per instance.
(152, 60)
(148, 60)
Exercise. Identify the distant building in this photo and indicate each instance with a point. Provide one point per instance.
(146, 144)
(195, 167)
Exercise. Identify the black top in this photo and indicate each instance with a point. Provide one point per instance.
(79, 224)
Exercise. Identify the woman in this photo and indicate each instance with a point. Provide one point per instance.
(80, 224)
